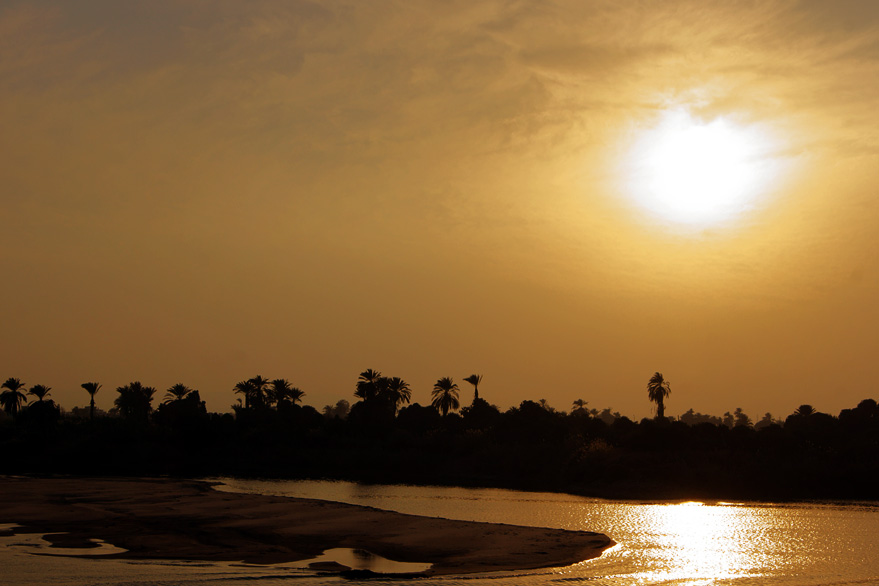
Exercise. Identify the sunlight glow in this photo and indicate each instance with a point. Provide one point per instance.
(699, 543)
(692, 171)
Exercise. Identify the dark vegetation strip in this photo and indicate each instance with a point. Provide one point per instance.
(810, 455)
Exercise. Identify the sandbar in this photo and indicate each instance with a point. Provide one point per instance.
(188, 520)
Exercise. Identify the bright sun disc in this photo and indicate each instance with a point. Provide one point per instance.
(696, 172)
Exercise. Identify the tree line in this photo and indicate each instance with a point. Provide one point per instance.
(376, 392)
(385, 437)
(134, 400)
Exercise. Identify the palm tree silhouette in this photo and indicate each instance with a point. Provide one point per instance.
(135, 401)
(397, 391)
(474, 379)
(657, 390)
(277, 392)
(12, 398)
(545, 405)
(295, 394)
(368, 384)
(39, 391)
(283, 393)
(255, 391)
(247, 389)
(260, 385)
(91, 389)
(176, 393)
(805, 411)
(445, 395)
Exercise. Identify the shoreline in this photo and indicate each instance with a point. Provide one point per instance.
(188, 519)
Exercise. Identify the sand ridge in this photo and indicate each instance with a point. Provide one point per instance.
(187, 519)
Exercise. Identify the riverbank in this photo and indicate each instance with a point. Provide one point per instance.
(178, 519)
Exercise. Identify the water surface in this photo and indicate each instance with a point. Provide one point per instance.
(672, 544)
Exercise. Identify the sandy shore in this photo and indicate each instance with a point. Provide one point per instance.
(173, 519)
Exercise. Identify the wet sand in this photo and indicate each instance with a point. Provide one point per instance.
(179, 519)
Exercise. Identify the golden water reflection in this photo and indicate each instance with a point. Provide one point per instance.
(698, 544)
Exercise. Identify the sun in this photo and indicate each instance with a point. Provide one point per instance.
(699, 172)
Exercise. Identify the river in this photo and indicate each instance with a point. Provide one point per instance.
(672, 544)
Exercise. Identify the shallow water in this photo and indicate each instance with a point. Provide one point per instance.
(673, 544)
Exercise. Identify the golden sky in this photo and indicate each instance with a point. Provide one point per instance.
(201, 192)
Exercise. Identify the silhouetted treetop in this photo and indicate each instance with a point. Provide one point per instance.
(657, 390)
(474, 379)
(135, 401)
(444, 396)
(247, 389)
(12, 398)
(368, 384)
(282, 393)
(177, 393)
(397, 391)
(92, 389)
(805, 411)
(39, 391)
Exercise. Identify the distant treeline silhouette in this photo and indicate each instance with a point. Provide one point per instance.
(383, 437)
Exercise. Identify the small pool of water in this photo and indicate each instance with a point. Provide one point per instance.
(358, 559)
(36, 543)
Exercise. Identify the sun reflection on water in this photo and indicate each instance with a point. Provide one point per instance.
(694, 543)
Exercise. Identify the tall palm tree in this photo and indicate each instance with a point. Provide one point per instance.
(579, 406)
(368, 384)
(397, 391)
(176, 393)
(445, 395)
(657, 390)
(39, 391)
(91, 389)
(12, 398)
(474, 379)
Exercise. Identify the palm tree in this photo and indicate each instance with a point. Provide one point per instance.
(295, 394)
(260, 385)
(545, 405)
(247, 389)
(283, 393)
(474, 379)
(39, 391)
(368, 384)
(176, 393)
(91, 389)
(135, 401)
(579, 406)
(12, 398)
(445, 395)
(277, 393)
(805, 411)
(657, 390)
(397, 391)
